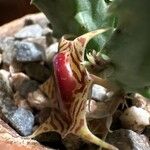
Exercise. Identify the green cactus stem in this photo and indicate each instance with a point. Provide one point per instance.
(129, 46)
(77, 17)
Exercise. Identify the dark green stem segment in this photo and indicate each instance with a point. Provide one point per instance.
(129, 46)
(77, 17)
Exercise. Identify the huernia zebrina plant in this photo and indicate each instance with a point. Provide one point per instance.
(126, 48)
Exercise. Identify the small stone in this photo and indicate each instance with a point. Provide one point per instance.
(34, 30)
(28, 86)
(29, 52)
(39, 40)
(135, 118)
(7, 48)
(22, 120)
(37, 72)
(98, 92)
(4, 81)
(128, 140)
(20, 101)
(51, 51)
(9, 29)
(16, 67)
(17, 80)
(6, 43)
(6, 101)
(10, 140)
(7, 106)
(38, 100)
(140, 101)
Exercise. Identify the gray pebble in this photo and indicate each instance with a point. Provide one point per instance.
(34, 30)
(98, 92)
(28, 86)
(37, 72)
(6, 101)
(6, 43)
(39, 40)
(22, 120)
(29, 52)
(7, 48)
(128, 140)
